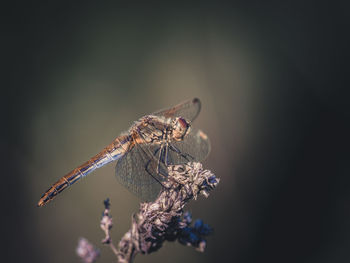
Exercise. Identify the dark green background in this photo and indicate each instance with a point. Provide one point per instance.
(272, 78)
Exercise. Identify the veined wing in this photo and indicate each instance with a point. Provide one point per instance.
(194, 147)
(188, 110)
(138, 171)
(144, 168)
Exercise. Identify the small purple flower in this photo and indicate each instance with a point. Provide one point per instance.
(86, 251)
(107, 203)
(212, 180)
(194, 235)
(187, 218)
(201, 228)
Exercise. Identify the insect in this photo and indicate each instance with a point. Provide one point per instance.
(155, 141)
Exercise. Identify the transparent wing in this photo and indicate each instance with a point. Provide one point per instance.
(194, 147)
(143, 169)
(141, 172)
(188, 110)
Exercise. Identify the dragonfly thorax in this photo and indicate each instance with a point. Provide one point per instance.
(155, 129)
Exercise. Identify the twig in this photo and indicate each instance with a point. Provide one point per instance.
(106, 225)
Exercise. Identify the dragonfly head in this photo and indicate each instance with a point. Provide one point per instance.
(180, 128)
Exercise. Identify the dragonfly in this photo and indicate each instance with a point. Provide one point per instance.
(142, 154)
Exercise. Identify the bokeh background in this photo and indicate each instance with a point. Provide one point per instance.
(272, 78)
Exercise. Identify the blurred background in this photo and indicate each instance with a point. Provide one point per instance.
(272, 78)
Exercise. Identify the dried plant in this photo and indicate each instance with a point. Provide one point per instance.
(86, 251)
(164, 219)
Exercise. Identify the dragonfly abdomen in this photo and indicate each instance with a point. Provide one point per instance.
(59, 186)
(111, 153)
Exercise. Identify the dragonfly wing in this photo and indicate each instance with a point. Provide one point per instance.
(143, 169)
(188, 110)
(194, 147)
(137, 171)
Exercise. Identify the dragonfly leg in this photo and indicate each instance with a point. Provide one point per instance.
(154, 177)
(158, 170)
(161, 158)
(158, 158)
(166, 156)
(183, 155)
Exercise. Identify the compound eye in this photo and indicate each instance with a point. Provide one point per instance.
(183, 123)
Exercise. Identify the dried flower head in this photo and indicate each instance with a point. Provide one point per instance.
(86, 251)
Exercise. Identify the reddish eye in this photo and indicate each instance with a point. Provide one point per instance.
(183, 123)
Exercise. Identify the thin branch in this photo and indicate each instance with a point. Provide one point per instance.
(106, 225)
